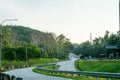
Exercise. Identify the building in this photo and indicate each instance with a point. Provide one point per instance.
(113, 51)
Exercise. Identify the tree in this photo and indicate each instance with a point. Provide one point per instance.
(61, 43)
(9, 53)
(113, 39)
(17, 36)
(67, 47)
(6, 36)
(34, 51)
(21, 53)
(106, 38)
(86, 48)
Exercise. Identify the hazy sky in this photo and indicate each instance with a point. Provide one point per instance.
(76, 19)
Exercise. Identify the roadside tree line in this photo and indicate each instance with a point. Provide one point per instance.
(96, 48)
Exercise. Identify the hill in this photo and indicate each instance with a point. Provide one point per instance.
(16, 40)
(22, 35)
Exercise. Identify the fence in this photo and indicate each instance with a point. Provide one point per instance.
(4, 76)
(86, 73)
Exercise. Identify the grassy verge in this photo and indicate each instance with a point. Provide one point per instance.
(90, 66)
(76, 66)
(35, 62)
(74, 77)
(112, 66)
(49, 67)
(57, 67)
(32, 62)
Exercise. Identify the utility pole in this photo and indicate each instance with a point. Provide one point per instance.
(26, 56)
(91, 37)
(119, 15)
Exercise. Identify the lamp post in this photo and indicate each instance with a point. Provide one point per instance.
(1, 38)
(26, 62)
(119, 15)
(119, 19)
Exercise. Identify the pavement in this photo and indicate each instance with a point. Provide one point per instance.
(28, 74)
(67, 65)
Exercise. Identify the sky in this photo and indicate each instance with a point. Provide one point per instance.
(76, 19)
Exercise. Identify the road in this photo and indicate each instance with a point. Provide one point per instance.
(69, 64)
(28, 74)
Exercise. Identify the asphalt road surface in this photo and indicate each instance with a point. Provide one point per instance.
(28, 74)
(69, 64)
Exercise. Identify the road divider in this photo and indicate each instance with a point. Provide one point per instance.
(85, 73)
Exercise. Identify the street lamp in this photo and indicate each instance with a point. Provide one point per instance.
(26, 57)
(1, 38)
(8, 20)
(119, 15)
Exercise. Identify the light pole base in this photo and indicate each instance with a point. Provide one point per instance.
(1, 69)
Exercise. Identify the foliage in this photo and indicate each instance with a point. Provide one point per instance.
(43, 44)
(9, 53)
(64, 46)
(31, 62)
(17, 41)
(35, 62)
(96, 48)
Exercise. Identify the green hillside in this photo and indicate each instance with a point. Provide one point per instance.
(112, 66)
(19, 40)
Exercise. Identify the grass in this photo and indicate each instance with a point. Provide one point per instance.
(74, 77)
(112, 66)
(57, 67)
(49, 67)
(84, 65)
(35, 62)
(99, 66)
(11, 63)
(31, 62)
(88, 66)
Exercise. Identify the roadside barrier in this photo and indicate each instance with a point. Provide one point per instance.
(7, 67)
(86, 73)
(4, 76)
(19, 78)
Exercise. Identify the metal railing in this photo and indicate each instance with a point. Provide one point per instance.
(86, 73)
(4, 76)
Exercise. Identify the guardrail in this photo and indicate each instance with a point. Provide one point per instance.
(4, 76)
(86, 73)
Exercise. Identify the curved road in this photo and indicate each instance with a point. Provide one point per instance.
(69, 64)
(28, 74)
